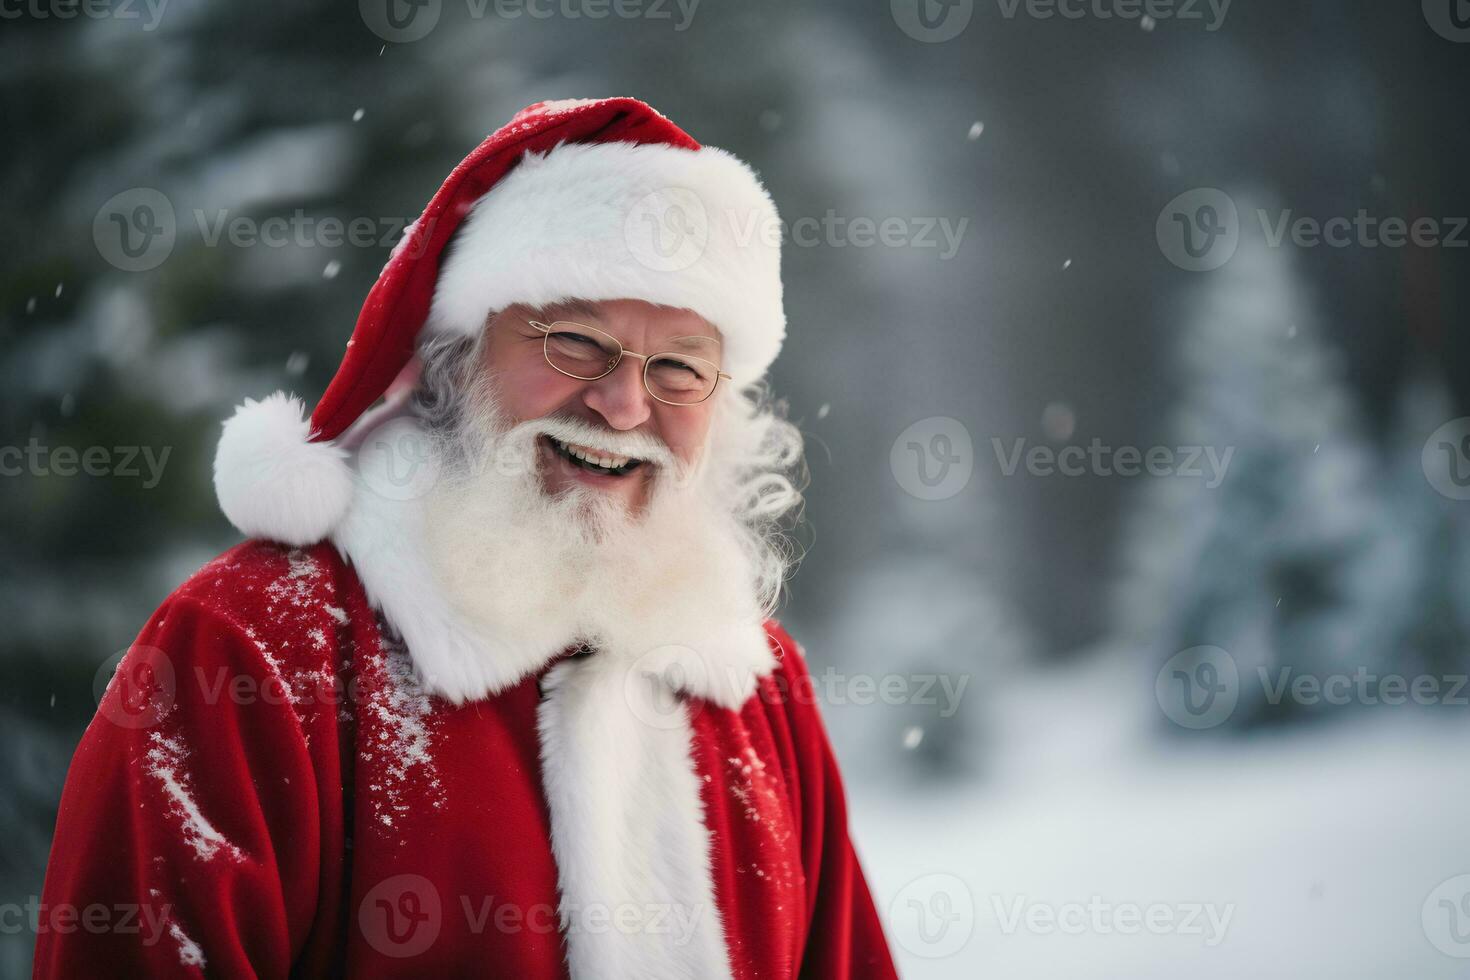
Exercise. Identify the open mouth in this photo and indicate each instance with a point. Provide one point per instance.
(593, 460)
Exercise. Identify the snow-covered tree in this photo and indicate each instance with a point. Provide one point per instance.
(1278, 565)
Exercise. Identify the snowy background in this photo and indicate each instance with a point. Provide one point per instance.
(1057, 698)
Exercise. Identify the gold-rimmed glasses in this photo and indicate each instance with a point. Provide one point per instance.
(672, 377)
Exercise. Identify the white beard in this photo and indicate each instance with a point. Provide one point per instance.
(544, 572)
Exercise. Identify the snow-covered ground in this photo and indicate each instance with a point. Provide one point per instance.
(1312, 852)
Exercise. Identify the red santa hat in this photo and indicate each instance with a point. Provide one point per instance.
(593, 199)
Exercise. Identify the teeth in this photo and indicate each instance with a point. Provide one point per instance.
(594, 456)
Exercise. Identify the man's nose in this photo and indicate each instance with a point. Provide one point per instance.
(620, 398)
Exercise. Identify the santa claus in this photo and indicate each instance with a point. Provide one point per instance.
(493, 688)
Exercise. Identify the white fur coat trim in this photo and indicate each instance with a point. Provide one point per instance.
(627, 828)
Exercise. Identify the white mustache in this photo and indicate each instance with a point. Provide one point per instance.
(639, 445)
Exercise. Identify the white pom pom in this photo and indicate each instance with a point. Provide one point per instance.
(272, 481)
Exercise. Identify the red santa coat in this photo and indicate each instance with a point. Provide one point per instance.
(267, 784)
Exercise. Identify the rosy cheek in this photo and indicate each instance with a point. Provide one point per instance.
(686, 435)
(530, 391)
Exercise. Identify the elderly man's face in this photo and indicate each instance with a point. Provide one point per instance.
(529, 388)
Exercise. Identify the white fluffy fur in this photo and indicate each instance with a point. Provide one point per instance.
(573, 223)
(272, 481)
(483, 595)
(627, 827)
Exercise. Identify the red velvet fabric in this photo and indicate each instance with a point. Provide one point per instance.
(269, 798)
